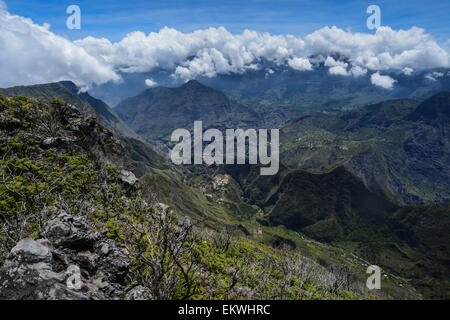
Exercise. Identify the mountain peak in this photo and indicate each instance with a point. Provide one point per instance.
(193, 84)
(156, 112)
(437, 107)
(69, 85)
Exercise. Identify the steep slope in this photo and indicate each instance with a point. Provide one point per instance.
(436, 109)
(69, 92)
(329, 206)
(145, 159)
(425, 230)
(156, 112)
(398, 147)
(142, 155)
(334, 206)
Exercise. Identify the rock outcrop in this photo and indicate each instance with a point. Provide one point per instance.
(69, 262)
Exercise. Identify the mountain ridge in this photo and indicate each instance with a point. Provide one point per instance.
(70, 93)
(156, 112)
(389, 145)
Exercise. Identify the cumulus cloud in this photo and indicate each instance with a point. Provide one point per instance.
(300, 64)
(342, 68)
(382, 81)
(268, 73)
(407, 71)
(30, 54)
(338, 70)
(386, 49)
(151, 83)
(434, 76)
(216, 51)
(358, 71)
(336, 67)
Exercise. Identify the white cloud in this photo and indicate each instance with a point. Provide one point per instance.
(434, 76)
(407, 71)
(338, 70)
(382, 81)
(216, 51)
(357, 71)
(151, 83)
(338, 67)
(386, 49)
(268, 73)
(31, 53)
(330, 62)
(300, 64)
(3, 5)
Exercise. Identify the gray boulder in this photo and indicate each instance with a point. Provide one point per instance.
(139, 293)
(69, 231)
(71, 262)
(128, 177)
(28, 274)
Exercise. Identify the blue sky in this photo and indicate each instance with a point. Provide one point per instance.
(114, 19)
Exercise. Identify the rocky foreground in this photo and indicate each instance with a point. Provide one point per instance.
(68, 257)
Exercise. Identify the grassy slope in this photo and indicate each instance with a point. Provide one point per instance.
(218, 198)
(335, 207)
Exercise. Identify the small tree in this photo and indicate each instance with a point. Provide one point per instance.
(224, 238)
(163, 249)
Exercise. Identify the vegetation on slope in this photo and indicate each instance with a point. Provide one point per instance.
(70, 93)
(53, 157)
(335, 207)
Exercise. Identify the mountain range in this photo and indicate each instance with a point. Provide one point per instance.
(392, 145)
(289, 93)
(400, 147)
(357, 179)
